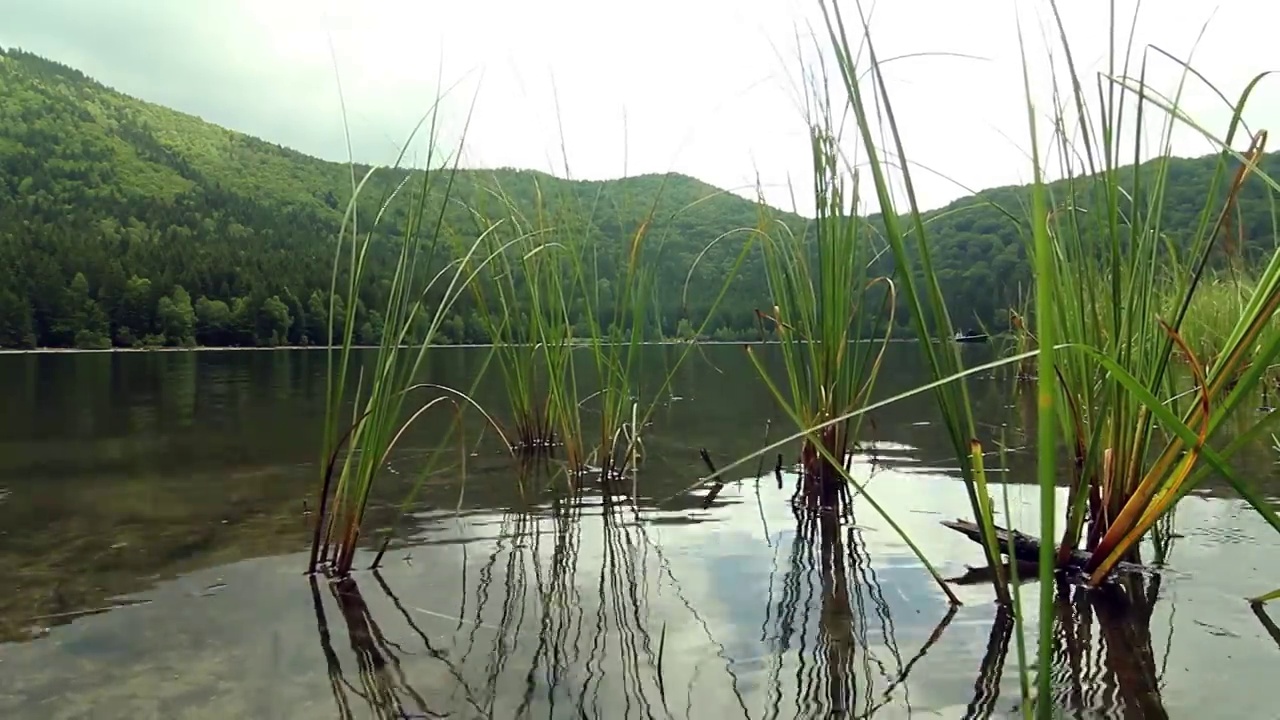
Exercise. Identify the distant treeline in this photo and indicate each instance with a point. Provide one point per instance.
(125, 223)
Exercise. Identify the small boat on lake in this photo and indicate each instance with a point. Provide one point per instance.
(970, 337)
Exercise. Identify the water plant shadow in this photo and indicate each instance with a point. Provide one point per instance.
(1119, 659)
(576, 635)
(1267, 623)
(840, 665)
(986, 688)
(383, 683)
(1102, 657)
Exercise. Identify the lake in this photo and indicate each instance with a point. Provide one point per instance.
(152, 507)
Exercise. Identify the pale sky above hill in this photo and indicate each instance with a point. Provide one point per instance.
(709, 88)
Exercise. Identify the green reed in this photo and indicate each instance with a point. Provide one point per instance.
(423, 288)
(1107, 347)
(616, 321)
(615, 349)
(529, 297)
(1103, 344)
(1046, 439)
(833, 318)
(1103, 254)
(574, 385)
(826, 309)
(1213, 313)
(521, 301)
(906, 236)
(1104, 351)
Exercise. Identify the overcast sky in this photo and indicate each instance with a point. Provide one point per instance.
(704, 87)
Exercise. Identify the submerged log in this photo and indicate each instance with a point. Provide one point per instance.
(1026, 548)
(1012, 543)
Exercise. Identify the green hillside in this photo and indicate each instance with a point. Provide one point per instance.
(109, 205)
(981, 258)
(125, 222)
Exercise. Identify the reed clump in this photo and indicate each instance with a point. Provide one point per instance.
(424, 288)
(904, 236)
(831, 316)
(1135, 433)
(521, 300)
(826, 309)
(1115, 288)
(570, 317)
(1104, 344)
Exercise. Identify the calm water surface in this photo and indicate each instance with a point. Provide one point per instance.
(152, 516)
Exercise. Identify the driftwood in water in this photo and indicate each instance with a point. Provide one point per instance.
(1026, 548)
(982, 575)
(1012, 543)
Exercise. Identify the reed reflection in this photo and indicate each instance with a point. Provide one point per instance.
(1104, 664)
(1267, 623)
(835, 651)
(382, 682)
(576, 634)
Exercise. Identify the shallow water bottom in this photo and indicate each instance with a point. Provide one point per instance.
(736, 612)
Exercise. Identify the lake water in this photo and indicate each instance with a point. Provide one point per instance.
(153, 522)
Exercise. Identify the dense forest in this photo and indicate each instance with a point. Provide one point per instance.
(129, 224)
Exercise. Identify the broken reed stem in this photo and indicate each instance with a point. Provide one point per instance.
(719, 485)
(382, 550)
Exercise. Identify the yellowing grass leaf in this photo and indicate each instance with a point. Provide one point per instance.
(1273, 595)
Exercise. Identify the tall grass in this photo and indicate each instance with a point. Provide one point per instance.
(520, 299)
(618, 328)
(1105, 254)
(616, 333)
(906, 236)
(1212, 315)
(832, 317)
(823, 292)
(1046, 440)
(425, 285)
(541, 282)
(570, 325)
(1104, 259)
(825, 309)
(1101, 256)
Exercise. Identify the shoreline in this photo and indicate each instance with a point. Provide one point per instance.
(299, 348)
(195, 348)
(312, 348)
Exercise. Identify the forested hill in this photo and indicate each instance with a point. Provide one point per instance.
(124, 222)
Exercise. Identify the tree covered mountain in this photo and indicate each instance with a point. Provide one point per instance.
(123, 222)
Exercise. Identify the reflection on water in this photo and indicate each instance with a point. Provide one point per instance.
(543, 631)
(1112, 665)
(148, 587)
(384, 686)
(1102, 653)
(855, 664)
(1267, 623)
(581, 608)
(986, 689)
